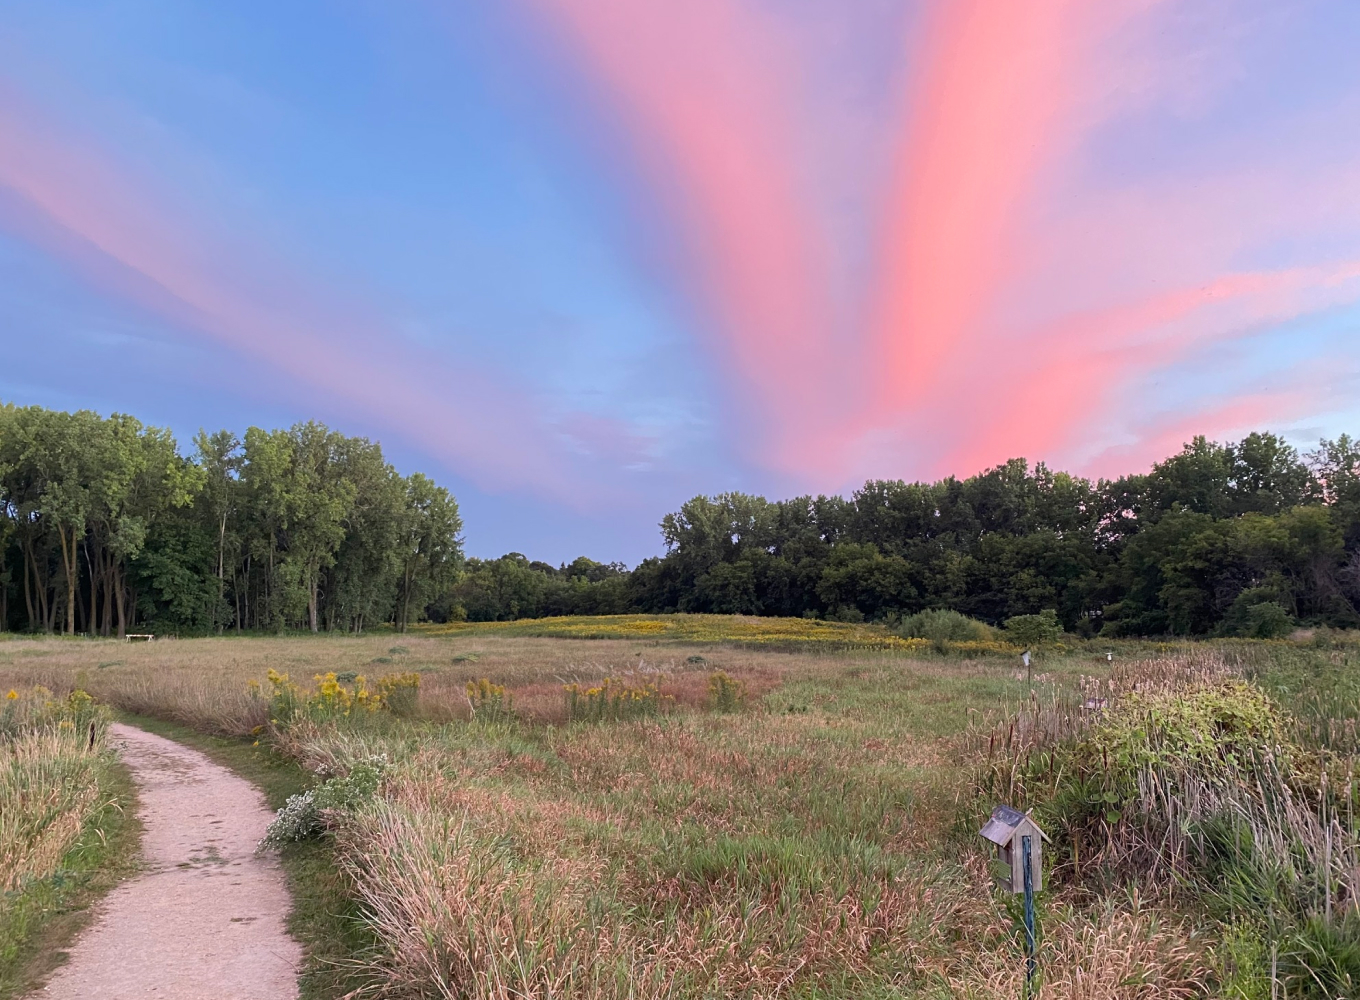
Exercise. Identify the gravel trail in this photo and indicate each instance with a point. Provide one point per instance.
(206, 920)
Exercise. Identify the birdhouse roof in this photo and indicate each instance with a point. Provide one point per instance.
(1006, 822)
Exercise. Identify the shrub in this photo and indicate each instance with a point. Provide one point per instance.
(1256, 615)
(725, 693)
(37, 708)
(941, 626)
(1135, 786)
(1034, 630)
(398, 693)
(1198, 787)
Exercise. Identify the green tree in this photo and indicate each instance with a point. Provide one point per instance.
(219, 457)
(265, 511)
(152, 481)
(360, 585)
(320, 496)
(429, 544)
(1034, 631)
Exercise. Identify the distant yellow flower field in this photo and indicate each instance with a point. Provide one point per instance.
(690, 628)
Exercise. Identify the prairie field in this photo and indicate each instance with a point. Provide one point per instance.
(61, 821)
(725, 815)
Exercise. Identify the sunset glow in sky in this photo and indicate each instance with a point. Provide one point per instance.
(580, 260)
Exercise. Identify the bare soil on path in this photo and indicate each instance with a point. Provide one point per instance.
(206, 921)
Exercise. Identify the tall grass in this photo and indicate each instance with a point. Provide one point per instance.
(52, 770)
(1193, 781)
(790, 829)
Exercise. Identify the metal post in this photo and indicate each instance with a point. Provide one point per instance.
(1031, 944)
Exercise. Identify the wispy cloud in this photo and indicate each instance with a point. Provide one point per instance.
(705, 89)
(907, 238)
(1019, 278)
(129, 238)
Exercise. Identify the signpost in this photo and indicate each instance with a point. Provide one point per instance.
(1031, 942)
(1019, 844)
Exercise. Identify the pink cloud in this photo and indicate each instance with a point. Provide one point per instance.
(1016, 287)
(1070, 375)
(94, 214)
(706, 88)
(983, 113)
(1220, 420)
(1017, 290)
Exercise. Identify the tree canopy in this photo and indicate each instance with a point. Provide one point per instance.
(104, 524)
(1190, 548)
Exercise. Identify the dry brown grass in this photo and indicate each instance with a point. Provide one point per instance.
(50, 770)
(49, 787)
(804, 845)
(485, 894)
(1122, 951)
(203, 682)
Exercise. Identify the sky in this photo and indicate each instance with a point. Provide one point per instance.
(580, 260)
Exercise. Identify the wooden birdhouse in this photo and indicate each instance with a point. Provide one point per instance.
(1007, 829)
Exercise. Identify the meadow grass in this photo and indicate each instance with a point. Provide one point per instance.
(66, 829)
(812, 836)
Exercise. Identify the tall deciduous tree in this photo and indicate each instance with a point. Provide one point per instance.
(430, 545)
(219, 457)
(319, 496)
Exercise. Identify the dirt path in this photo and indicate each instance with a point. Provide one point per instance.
(206, 920)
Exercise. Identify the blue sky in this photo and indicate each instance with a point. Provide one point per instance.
(582, 259)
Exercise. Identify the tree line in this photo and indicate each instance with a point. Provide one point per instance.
(1230, 538)
(105, 527)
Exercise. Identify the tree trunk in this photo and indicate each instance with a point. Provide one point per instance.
(312, 589)
(47, 598)
(269, 588)
(68, 564)
(106, 572)
(82, 616)
(41, 609)
(91, 620)
(120, 599)
(221, 582)
(28, 597)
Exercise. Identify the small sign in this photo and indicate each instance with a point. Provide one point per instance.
(1025, 657)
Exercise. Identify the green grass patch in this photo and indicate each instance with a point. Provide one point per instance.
(324, 919)
(40, 920)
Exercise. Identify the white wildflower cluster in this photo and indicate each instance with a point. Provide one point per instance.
(303, 816)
